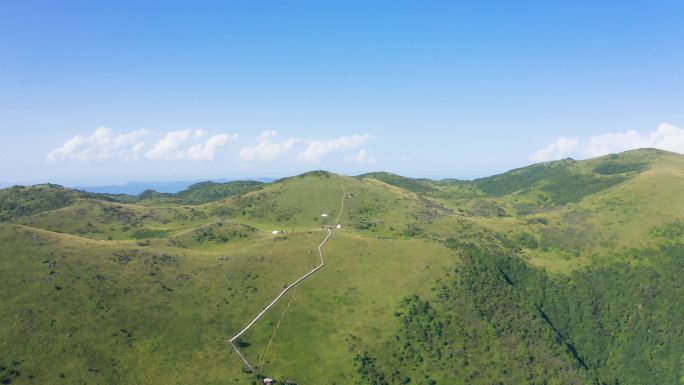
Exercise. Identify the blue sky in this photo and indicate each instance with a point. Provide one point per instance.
(110, 91)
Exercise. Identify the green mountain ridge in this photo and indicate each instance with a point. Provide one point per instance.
(199, 193)
(565, 272)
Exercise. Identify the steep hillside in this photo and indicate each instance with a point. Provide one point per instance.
(564, 272)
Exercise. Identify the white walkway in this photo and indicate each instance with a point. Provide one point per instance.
(293, 284)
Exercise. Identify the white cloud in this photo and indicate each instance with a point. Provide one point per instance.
(170, 146)
(199, 145)
(266, 150)
(665, 137)
(559, 149)
(101, 144)
(317, 149)
(266, 136)
(360, 157)
(182, 144)
(207, 150)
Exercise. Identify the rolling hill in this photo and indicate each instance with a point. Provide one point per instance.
(566, 272)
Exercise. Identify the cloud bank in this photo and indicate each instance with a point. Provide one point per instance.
(267, 149)
(101, 144)
(207, 150)
(316, 149)
(198, 145)
(174, 145)
(665, 137)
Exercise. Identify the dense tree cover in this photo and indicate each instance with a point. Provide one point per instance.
(496, 320)
(625, 319)
(616, 167)
(479, 330)
(569, 187)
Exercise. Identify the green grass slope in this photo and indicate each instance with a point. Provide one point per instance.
(116, 300)
(410, 184)
(558, 273)
(19, 200)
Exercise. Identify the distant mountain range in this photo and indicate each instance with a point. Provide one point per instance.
(172, 187)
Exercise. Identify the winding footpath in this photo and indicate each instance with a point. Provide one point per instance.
(293, 284)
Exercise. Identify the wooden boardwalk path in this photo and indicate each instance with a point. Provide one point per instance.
(290, 286)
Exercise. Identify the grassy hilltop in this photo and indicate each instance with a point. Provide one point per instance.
(565, 272)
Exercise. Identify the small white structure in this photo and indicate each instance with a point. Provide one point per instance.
(339, 226)
(324, 215)
(275, 232)
(268, 381)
